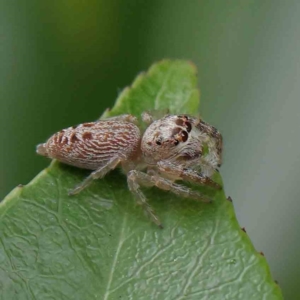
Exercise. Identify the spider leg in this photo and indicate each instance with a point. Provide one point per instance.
(136, 179)
(186, 174)
(125, 118)
(214, 133)
(99, 173)
(178, 189)
(149, 117)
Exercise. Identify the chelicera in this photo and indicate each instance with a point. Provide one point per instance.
(172, 148)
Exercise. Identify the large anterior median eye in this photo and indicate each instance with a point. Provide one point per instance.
(184, 135)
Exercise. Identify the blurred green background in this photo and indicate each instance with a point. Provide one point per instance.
(64, 62)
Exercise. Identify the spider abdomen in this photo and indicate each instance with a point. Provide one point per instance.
(89, 145)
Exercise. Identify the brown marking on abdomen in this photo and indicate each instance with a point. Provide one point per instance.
(74, 138)
(87, 135)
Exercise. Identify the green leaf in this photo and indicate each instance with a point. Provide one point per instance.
(100, 245)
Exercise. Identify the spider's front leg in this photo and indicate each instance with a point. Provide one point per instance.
(187, 174)
(136, 179)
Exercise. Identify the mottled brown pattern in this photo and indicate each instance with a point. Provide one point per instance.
(91, 144)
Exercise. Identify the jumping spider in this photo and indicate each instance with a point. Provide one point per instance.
(174, 147)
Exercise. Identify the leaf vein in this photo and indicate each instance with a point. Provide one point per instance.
(112, 270)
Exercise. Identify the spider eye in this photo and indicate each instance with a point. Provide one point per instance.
(158, 143)
(184, 136)
(188, 126)
(176, 142)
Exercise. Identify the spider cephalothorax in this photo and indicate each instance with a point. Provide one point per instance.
(183, 140)
(174, 147)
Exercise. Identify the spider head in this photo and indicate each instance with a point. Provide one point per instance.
(167, 138)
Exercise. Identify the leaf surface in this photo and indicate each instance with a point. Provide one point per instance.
(99, 244)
